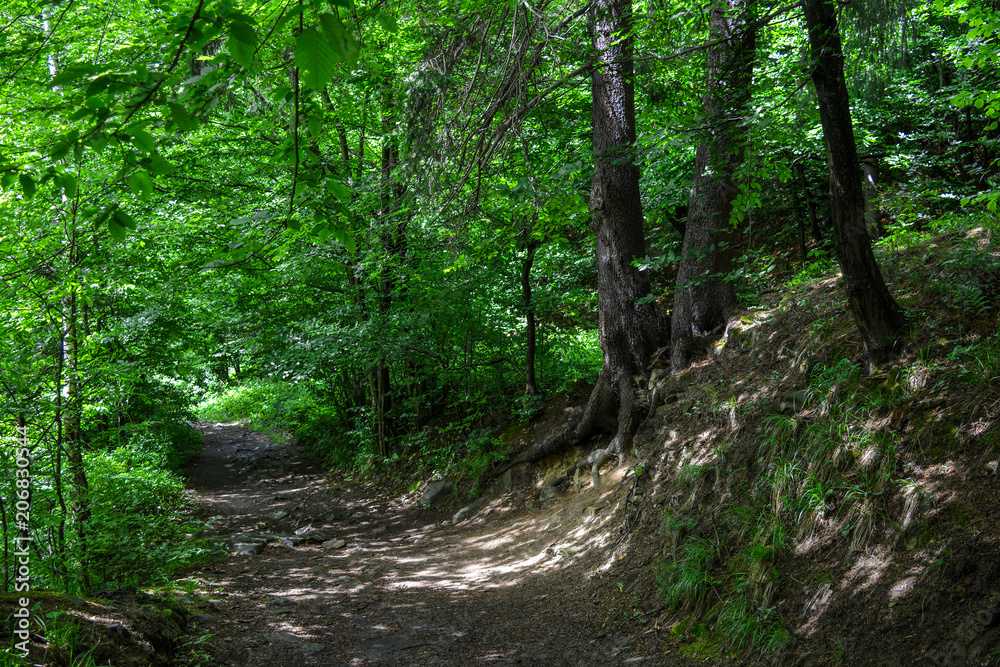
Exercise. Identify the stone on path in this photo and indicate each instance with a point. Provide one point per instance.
(248, 548)
(335, 544)
(304, 645)
(468, 510)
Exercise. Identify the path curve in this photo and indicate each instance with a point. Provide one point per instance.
(510, 586)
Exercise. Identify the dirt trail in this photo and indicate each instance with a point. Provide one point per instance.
(510, 586)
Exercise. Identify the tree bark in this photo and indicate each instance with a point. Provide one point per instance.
(628, 330)
(878, 317)
(704, 300)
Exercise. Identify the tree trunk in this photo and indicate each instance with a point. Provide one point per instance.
(703, 299)
(879, 319)
(73, 416)
(810, 203)
(628, 330)
(530, 246)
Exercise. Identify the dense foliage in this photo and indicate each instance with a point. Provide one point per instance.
(323, 216)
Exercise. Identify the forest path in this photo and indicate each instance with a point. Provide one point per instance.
(407, 588)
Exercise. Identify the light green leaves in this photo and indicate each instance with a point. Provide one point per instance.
(316, 58)
(318, 50)
(242, 42)
(141, 185)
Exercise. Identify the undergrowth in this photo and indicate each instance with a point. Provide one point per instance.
(837, 465)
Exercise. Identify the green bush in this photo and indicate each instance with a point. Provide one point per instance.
(137, 530)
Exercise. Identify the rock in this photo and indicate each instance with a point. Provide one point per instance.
(655, 377)
(990, 617)
(791, 403)
(739, 333)
(304, 645)
(508, 481)
(247, 548)
(335, 544)
(280, 514)
(468, 510)
(436, 492)
(548, 492)
(291, 542)
(669, 390)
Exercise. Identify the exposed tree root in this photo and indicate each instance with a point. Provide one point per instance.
(603, 403)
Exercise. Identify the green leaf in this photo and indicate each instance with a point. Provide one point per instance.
(124, 219)
(98, 85)
(143, 140)
(60, 150)
(159, 164)
(141, 185)
(242, 31)
(242, 42)
(119, 222)
(27, 185)
(72, 73)
(388, 23)
(117, 230)
(315, 58)
(287, 17)
(341, 235)
(69, 185)
(339, 190)
(315, 127)
(340, 39)
(181, 117)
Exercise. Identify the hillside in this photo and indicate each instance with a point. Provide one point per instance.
(789, 507)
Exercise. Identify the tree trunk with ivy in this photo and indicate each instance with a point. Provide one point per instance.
(879, 319)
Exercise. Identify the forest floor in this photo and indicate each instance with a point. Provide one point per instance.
(518, 583)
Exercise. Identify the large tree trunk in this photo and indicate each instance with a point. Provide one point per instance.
(628, 330)
(879, 319)
(703, 299)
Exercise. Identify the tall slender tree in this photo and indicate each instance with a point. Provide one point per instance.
(704, 299)
(879, 319)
